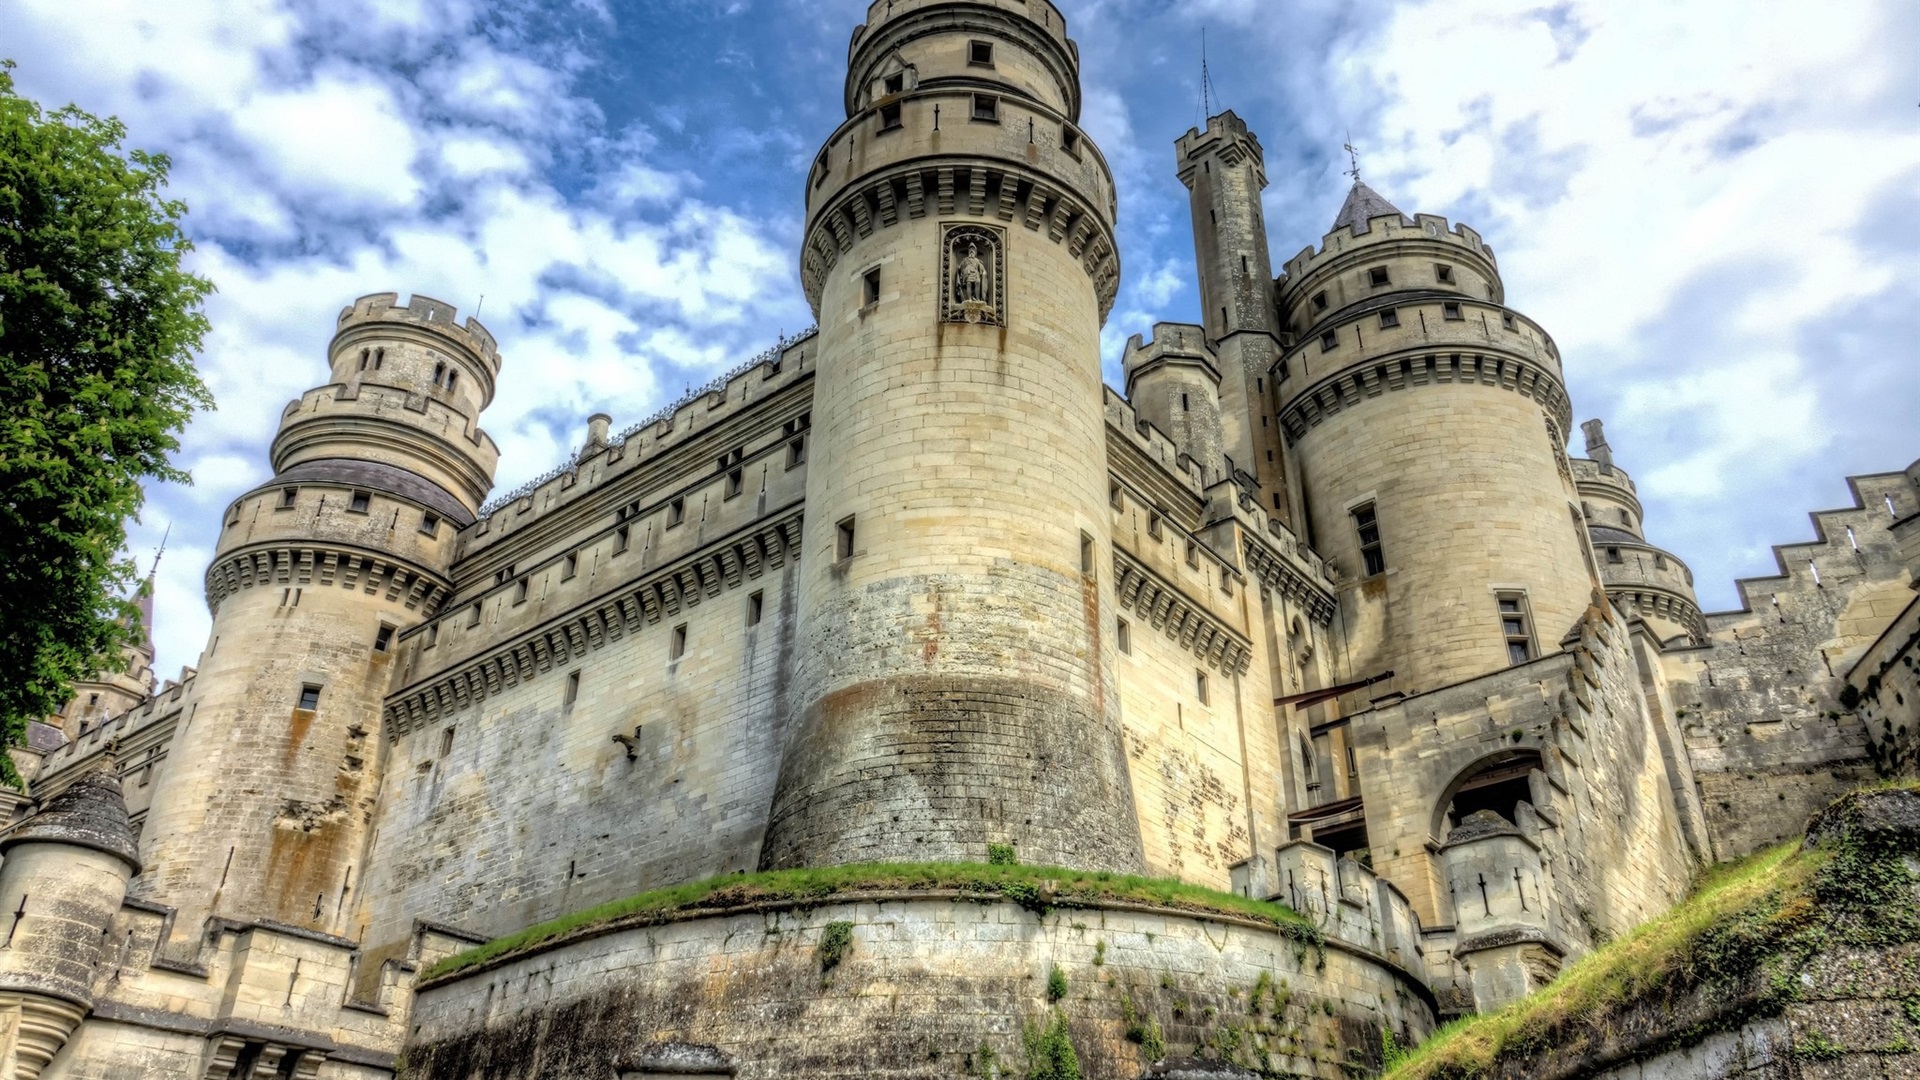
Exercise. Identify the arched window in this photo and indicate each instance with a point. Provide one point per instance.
(1498, 783)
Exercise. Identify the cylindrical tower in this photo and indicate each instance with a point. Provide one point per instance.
(1428, 422)
(953, 686)
(1174, 384)
(1644, 580)
(271, 781)
(61, 885)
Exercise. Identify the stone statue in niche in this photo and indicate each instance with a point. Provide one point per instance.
(973, 267)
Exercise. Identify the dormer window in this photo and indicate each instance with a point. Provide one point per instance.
(980, 53)
(897, 84)
(986, 108)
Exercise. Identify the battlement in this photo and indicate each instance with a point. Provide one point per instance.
(1337, 246)
(1173, 343)
(424, 312)
(1227, 138)
(1041, 13)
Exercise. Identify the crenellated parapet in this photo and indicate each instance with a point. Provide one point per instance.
(1166, 608)
(1391, 253)
(429, 319)
(1327, 396)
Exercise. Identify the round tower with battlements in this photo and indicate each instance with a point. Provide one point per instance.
(272, 777)
(1174, 384)
(1427, 426)
(954, 684)
(1650, 582)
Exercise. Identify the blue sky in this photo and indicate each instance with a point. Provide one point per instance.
(1713, 204)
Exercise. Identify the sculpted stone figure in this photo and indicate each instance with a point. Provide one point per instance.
(970, 277)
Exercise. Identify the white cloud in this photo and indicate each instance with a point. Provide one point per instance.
(342, 138)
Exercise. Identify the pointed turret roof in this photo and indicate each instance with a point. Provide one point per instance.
(1363, 205)
(143, 600)
(90, 813)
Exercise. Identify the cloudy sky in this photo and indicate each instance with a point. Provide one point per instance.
(1713, 204)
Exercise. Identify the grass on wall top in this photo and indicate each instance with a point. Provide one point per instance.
(1037, 888)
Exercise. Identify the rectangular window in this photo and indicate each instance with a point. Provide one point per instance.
(1200, 686)
(1368, 528)
(1507, 320)
(756, 605)
(797, 452)
(446, 742)
(1516, 626)
(890, 117)
(288, 496)
(622, 537)
(1451, 311)
(1193, 554)
(986, 107)
(570, 567)
(433, 635)
(360, 502)
(843, 540)
(1123, 637)
(1378, 277)
(821, 169)
(980, 52)
(383, 639)
(871, 287)
(897, 84)
(1443, 273)
(573, 689)
(1613, 555)
(1329, 341)
(520, 590)
(1086, 554)
(1153, 524)
(309, 697)
(473, 616)
(1389, 319)
(676, 512)
(430, 524)
(736, 481)
(1320, 301)
(1070, 141)
(677, 648)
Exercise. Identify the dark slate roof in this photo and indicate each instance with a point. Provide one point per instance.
(1603, 534)
(1363, 205)
(44, 738)
(1479, 825)
(88, 813)
(381, 477)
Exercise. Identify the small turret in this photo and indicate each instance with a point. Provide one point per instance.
(64, 877)
(1174, 384)
(1597, 448)
(1644, 580)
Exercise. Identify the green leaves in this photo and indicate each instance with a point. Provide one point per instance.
(99, 324)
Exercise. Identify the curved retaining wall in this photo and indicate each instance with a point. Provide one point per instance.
(931, 985)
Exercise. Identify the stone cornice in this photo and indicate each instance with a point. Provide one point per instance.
(668, 590)
(1372, 378)
(961, 186)
(1168, 610)
(312, 562)
(1276, 573)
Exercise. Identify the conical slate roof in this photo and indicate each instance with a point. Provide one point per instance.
(1363, 205)
(88, 813)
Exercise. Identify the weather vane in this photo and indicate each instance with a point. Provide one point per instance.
(1353, 155)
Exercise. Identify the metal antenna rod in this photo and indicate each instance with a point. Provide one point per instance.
(1353, 156)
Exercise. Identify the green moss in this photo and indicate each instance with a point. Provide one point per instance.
(1050, 1054)
(1817, 1047)
(835, 940)
(1000, 855)
(1099, 953)
(1037, 888)
(1056, 984)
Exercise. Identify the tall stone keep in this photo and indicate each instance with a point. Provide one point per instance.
(954, 686)
(1427, 422)
(1224, 170)
(272, 778)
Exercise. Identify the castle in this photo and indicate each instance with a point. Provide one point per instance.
(1319, 610)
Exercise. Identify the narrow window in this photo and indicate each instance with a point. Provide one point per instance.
(1329, 341)
(1353, 764)
(980, 52)
(433, 636)
(520, 589)
(676, 512)
(446, 742)
(1378, 276)
(288, 497)
(871, 290)
(1200, 686)
(473, 615)
(1443, 273)
(430, 523)
(796, 452)
(1507, 320)
(756, 605)
(821, 169)
(1320, 301)
(1659, 562)
(1213, 216)
(1613, 555)
(897, 83)
(1193, 554)
(379, 359)
(622, 537)
(439, 373)
(1451, 311)
(360, 502)
(1114, 498)
(1244, 268)
(677, 648)
(366, 357)
(1123, 637)
(736, 481)
(1367, 526)
(1183, 403)
(1086, 554)
(309, 697)
(570, 567)
(383, 640)
(1389, 319)
(1153, 524)
(1516, 626)
(452, 378)
(890, 117)
(1070, 141)
(573, 689)
(843, 540)
(986, 107)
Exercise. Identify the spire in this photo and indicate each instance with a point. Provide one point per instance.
(1363, 205)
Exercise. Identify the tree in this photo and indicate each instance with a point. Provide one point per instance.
(99, 324)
